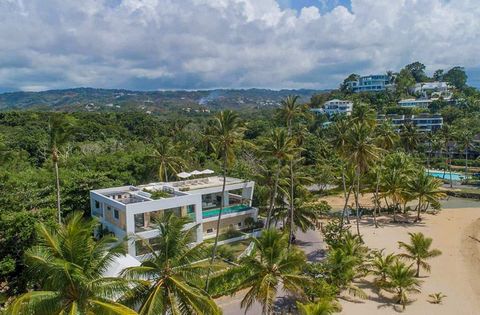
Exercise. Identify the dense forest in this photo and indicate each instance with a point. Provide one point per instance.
(103, 149)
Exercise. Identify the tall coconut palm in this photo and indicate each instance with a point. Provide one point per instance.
(59, 130)
(323, 307)
(279, 146)
(386, 136)
(363, 152)
(70, 263)
(290, 111)
(425, 188)
(465, 138)
(226, 133)
(448, 141)
(410, 137)
(167, 158)
(171, 274)
(363, 113)
(339, 141)
(272, 266)
(419, 251)
(401, 281)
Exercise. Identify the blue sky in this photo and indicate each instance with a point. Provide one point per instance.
(201, 44)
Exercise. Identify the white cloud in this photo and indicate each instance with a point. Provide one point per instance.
(154, 44)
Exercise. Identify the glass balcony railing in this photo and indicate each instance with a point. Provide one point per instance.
(227, 210)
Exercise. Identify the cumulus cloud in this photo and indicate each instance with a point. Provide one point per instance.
(165, 44)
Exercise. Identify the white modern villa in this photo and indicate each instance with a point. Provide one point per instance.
(415, 103)
(370, 83)
(436, 86)
(130, 211)
(335, 107)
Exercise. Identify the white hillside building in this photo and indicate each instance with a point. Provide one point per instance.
(334, 107)
(130, 211)
(437, 86)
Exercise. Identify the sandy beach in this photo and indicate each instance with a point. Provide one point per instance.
(456, 273)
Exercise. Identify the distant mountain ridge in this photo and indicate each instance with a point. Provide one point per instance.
(92, 99)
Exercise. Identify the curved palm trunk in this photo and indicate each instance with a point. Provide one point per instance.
(289, 124)
(466, 162)
(356, 203)
(377, 202)
(450, 169)
(345, 207)
(395, 207)
(57, 184)
(418, 268)
(166, 175)
(222, 205)
(419, 208)
(272, 200)
(291, 204)
(346, 196)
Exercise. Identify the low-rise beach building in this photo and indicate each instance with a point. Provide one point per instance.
(130, 211)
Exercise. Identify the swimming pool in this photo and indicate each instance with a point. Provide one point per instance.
(226, 210)
(455, 176)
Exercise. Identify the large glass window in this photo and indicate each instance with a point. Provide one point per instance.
(147, 221)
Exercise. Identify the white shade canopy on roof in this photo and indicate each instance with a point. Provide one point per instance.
(184, 175)
(195, 172)
(207, 171)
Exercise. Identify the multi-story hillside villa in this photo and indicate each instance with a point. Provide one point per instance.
(415, 103)
(334, 107)
(437, 86)
(130, 211)
(370, 83)
(423, 122)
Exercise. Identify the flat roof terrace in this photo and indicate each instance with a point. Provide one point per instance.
(206, 182)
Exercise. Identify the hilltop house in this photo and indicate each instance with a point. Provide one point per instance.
(130, 211)
(370, 83)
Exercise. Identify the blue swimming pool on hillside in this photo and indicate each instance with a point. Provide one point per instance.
(226, 210)
(455, 176)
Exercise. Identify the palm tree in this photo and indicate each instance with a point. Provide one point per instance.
(226, 134)
(465, 138)
(380, 265)
(401, 281)
(396, 172)
(171, 273)
(59, 132)
(410, 137)
(376, 174)
(339, 141)
(324, 307)
(363, 113)
(448, 142)
(281, 147)
(70, 264)
(291, 110)
(386, 136)
(272, 264)
(425, 188)
(165, 153)
(363, 152)
(419, 251)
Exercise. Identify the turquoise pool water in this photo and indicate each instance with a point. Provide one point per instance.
(226, 210)
(455, 176)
